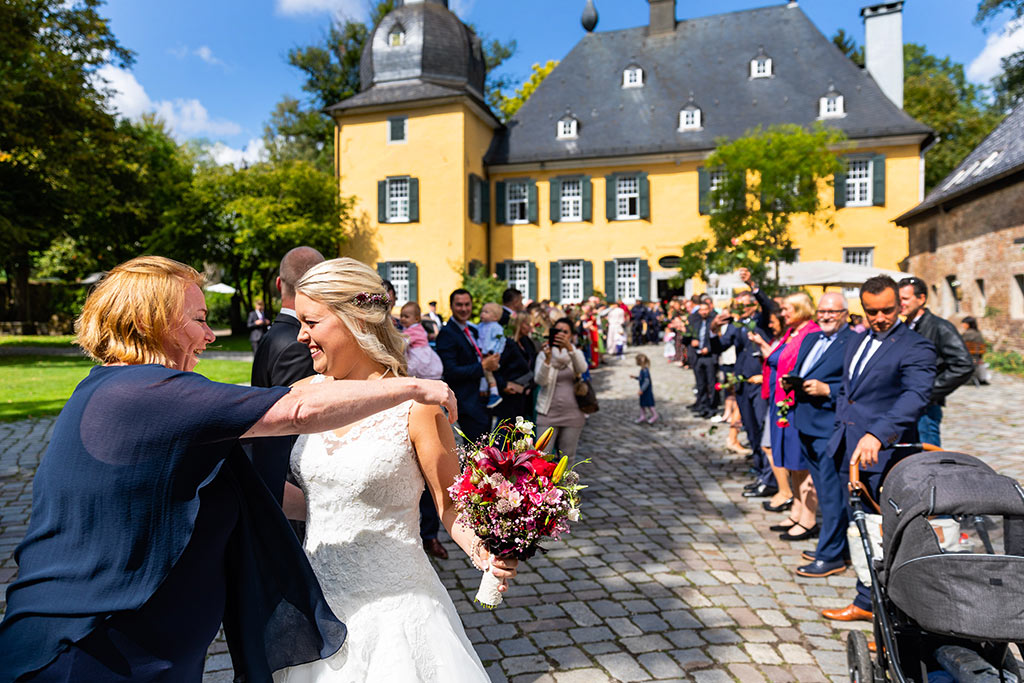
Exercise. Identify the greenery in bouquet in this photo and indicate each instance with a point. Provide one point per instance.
(730, 381)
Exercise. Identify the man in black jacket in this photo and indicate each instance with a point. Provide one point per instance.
(955, 365)
(280, 361)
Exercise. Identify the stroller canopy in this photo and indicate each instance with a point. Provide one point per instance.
(971, 595)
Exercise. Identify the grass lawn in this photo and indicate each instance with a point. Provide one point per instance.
(226, 342)
(34, 386)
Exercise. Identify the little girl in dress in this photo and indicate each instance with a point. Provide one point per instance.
(646, 393)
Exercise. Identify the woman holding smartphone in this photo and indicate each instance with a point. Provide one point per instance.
(558, 365)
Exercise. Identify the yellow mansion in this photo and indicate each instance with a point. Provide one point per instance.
(599, 180)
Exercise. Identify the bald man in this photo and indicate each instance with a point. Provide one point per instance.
(280, 361)
(819, 366)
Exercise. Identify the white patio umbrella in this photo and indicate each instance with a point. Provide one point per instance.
(220, 288)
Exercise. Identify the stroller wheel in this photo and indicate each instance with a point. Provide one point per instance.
(858, 658)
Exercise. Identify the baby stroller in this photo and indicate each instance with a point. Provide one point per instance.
(951, 614)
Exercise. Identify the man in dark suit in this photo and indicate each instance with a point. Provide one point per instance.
(955, 364)
(888, 372)
(820, 365)
(705, 363)
(281, 361)
(511, 303)
(752, 407)
(464, 365)
(257, 323)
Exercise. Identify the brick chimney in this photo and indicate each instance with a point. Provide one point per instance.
(663, 16)
(883, 47)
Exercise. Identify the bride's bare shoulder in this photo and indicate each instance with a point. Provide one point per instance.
(427, 421)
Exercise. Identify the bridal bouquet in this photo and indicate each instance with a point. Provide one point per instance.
(513, 496)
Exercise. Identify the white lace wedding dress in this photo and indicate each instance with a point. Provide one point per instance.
(362, 538)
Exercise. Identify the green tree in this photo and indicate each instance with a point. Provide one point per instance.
(1008, 86)
(769, 177)
(245, 219)
(482, 285)
(508, 106)
(56, 136)
(848, 45)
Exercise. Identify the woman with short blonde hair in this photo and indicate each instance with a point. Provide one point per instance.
(149, 525)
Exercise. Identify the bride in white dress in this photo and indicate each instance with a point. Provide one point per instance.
(362, 487)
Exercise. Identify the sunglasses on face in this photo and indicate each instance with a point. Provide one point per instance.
(872, 312)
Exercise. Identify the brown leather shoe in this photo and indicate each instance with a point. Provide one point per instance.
(849, 613)
(432, 546)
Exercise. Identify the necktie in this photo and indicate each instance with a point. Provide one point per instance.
(862, 360)
(816, 353)
(469, 335)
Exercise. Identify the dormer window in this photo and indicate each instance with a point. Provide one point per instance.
(633, 77)
(690, 116)
(397, 37)
(831, 105)
(761, 65)
(568, 128)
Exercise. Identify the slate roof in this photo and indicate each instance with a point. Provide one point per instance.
(999, 155)
(440, 57)
(710, 57)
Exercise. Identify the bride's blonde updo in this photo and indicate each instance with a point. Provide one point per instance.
(355, 293)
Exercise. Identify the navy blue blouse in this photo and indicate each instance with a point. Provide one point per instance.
(117, 540)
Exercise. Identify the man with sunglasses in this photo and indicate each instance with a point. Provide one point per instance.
(955, 365)
(888, 372)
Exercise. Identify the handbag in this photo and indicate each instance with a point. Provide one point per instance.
(586, 399)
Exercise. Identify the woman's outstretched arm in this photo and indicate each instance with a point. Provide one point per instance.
(313, 408)
(435, 449)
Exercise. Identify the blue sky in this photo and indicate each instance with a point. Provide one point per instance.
(215, 68)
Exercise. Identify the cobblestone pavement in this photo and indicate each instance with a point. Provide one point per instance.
(672, 574)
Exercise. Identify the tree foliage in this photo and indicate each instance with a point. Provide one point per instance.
(509, 105)
(769, 177)
(1008, 85)
(848, 45)
(484, 287)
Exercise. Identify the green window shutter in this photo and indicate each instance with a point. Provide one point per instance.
(556, 199)
(556, 281)
(878, 180)
(703, 191)
(414, 200)
(840, 185)
(501, 270)
(588, 279)
(645, 280)
(609, 196)
(532, 282)
(499, 198)
(384, 270)
(645, 196)
(588, 199)
(485, 201)
(609, 281)
(474, 198)
(382, 201)
(414, 282)
(532, 195)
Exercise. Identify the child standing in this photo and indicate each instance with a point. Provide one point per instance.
(491, 340)
(646, 393)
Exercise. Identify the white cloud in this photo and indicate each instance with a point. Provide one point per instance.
(461, 8)
(355, 9)
(206, 54)
(186, 118)
(253, 152)
(987, 64)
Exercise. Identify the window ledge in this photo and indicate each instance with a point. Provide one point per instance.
(857, 205)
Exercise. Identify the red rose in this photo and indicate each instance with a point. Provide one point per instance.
(541, 467)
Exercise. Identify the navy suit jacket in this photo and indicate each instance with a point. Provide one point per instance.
(462, 372)
(892, 393)
(816, 415)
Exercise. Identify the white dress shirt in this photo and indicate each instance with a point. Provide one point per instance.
(872, 342)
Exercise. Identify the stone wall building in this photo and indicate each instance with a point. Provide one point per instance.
(966, 238)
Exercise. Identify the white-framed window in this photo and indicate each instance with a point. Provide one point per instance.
(689, 119)
(831, 106)
(398, 128)
(1017, 296)
(397, 37)
(715, 180)
(858, 182)
(398, 274)
(398, 200)
(567, 129)
(571, 278)
(633, 77)
(761, 67)
(627, 280)
(859, 256)
(627, 197)
(572, 200)
(517, 204)
(519, 275)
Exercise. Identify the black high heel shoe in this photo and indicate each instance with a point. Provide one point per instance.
(802, 536)
(781, 507)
